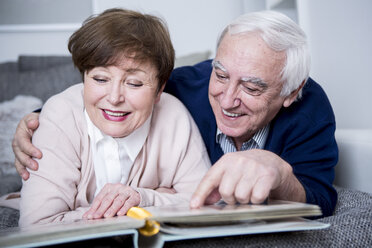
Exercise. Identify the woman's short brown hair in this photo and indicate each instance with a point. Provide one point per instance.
(103, 40)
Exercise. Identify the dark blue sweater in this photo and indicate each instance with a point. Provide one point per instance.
(302, 135)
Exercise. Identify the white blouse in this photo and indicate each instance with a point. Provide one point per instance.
(113, 158)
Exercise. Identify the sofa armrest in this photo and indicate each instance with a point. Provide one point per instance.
(354, 168)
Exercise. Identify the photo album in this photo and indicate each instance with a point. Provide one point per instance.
(153, 226)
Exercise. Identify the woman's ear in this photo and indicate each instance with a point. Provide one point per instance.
(292, 97)
(158, 94)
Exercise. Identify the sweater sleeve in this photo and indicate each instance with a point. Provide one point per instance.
(177, 156)
(189, 172)
(313, 156)
(49, 195)
(303, 135)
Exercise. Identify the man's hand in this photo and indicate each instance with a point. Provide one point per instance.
(248, 176)
(113, 199)
(22, 146)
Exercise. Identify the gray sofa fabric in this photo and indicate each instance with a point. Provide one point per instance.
(37, 76)
(10, 183)
(33, 63)
(8, 217)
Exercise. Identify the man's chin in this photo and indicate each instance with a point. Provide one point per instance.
(231, 132)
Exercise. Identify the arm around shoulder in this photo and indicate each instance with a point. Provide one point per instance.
(49, 195)
(303, 136)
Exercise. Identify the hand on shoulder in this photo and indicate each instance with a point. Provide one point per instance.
(22, 146)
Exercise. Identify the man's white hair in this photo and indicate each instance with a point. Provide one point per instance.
(281, 34)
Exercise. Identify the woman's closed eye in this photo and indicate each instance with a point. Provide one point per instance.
(100, 80)
(134, 83)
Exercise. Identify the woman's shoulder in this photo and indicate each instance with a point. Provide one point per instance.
(65, 108)
(68, 100)
(170, 108)
(71, 96)
(170, 117)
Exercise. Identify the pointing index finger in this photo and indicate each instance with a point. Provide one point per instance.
(209, 182)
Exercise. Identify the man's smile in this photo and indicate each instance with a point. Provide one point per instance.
(229, 114)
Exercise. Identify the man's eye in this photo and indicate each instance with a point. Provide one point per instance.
(252, 91)
(221, 76)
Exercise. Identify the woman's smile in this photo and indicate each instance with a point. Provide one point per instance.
(115, 115)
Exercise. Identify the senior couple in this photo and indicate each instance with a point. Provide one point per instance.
(118, 141)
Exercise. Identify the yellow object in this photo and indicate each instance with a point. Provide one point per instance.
(151, 227)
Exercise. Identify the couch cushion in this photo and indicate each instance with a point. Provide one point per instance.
(8, 85)
(42, 83)
(31, 63)
(8, 217)
(47, 82)
(8, 67)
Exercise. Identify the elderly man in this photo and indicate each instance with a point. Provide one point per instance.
(268, 128)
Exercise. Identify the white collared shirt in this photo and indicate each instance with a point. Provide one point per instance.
(258, 140)
(113, 158)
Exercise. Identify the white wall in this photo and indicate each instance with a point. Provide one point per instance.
(39, 27)
(194, 24)
(340, 38)
(38, 41)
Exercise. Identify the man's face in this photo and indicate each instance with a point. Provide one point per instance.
(245, 86)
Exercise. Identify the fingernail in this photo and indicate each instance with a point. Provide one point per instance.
(35, 154)
(194, 203)
(31, 165)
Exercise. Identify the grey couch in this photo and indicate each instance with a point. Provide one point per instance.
(43, 76)
(40, 76)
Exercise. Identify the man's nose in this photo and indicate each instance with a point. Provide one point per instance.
(230, 97)
(116, 93)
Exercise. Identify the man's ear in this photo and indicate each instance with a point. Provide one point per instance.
(292, 97)
(158, 94)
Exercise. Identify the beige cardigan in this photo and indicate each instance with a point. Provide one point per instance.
(173, 156)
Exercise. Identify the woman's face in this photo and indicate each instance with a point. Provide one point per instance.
(119, 99)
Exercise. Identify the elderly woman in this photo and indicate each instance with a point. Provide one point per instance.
(115, 141)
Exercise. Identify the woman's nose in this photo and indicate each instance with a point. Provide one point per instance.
(116, 94)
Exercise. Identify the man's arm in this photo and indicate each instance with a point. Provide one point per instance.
(249, 176)
(22, 146)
